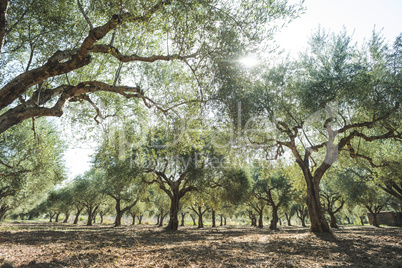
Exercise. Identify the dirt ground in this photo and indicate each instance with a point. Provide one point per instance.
(66, 245)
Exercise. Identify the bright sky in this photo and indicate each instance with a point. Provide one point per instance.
(358, 16)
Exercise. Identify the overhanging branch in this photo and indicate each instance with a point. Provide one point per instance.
(108, 49)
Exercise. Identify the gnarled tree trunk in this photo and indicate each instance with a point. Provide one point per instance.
(174, 210)
(275, 218)
(318, 223)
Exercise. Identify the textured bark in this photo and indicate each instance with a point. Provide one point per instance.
(274, 221)
(318, 223)
(174, 210)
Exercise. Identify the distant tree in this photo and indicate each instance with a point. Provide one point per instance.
(258, 206)
(199, 205)
(361, 189)
(178, 161)
(332, 196)
(87, 190)
(274, 189)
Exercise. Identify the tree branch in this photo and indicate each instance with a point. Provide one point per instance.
(32, 107)
(108, 49)
(56, 64)
(369, 123)
(85, 15)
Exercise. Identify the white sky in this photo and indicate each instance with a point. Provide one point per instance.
(357, 16)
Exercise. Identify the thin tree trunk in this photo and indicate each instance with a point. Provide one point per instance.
(77, 215)
(224, 220)
(117, 221)
(57, 217)
(213, 218)
(51, 216)
(288, 218)
(260, 219)
(193, 218)
(221, 221)
(161, 217)
(95, 213)
(140, 219)
(362, 220)
(183, 215)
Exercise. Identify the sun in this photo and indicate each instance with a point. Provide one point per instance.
(249, 61)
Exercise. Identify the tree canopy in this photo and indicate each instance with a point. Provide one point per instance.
(54, 52)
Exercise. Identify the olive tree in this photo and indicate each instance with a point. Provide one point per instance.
(56, 52)
(335, 100)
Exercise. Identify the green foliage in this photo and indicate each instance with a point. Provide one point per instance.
(31, 162)
(86, 188)
(235, 186)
